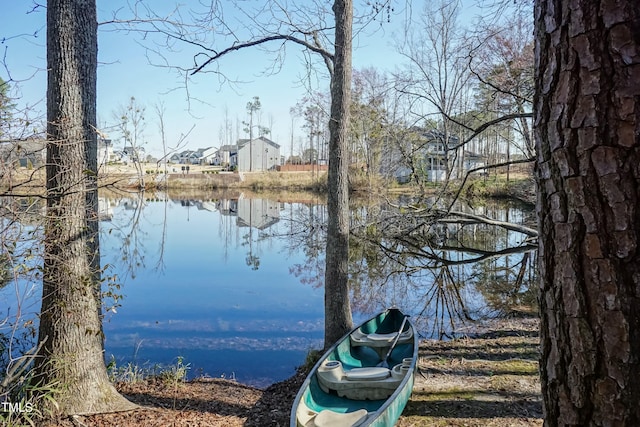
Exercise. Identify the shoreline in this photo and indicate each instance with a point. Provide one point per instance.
(487, 379)
(25, 182)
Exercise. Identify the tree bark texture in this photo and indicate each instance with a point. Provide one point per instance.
(71, 356)
(338, 319)
(587, 129)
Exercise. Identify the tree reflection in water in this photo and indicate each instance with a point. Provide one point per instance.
(448, 270)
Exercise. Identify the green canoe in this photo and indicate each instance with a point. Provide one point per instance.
(352, 385)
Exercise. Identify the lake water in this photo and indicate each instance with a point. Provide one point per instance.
(234, 286)
(210, 281)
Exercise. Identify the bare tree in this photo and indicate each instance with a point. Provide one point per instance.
(131, 124)
(166, 149)
(314, 109)
(369, 123)
(160, 111)
(437, 77)
(70, 335)
(470, 96)
(503, 65)
(586, 131)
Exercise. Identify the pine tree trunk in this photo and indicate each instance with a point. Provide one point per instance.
(71, 354)
(587, 129)
(338, 318)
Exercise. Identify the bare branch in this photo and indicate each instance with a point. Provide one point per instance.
(486, 125)
(454, 217)
(324, 53)
(494, 166)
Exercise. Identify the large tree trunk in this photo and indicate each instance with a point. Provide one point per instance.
(338, 318)
(587, 128)
(71, 354)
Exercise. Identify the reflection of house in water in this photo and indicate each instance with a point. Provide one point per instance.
(24, 210)
(130, 204)
(201, 205)
(258, 213)
(228, 207)
(105, 209)
(106, 205)
(207, 205)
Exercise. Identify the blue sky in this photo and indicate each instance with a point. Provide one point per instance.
(124, 71)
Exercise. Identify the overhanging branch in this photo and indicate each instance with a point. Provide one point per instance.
(531, 232)
(326, 55)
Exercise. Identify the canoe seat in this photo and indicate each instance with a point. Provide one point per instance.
(328, 418)
(382, 337)
(367, 374)
(366, 383)
(359, 338)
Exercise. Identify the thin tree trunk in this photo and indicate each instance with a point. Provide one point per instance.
(71, 357)
(587, 122)
(338, 318)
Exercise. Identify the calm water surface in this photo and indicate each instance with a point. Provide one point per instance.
(209, 281)
(234, 287)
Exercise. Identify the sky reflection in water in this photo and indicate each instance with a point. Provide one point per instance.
(194, 295)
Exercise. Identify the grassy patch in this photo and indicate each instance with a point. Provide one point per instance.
(134, 373)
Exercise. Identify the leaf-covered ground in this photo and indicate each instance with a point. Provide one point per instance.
(490, 379)
(487, 379)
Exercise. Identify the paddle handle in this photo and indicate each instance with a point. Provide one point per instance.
(395, 341)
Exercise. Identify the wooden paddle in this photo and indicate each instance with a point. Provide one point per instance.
(384, 362)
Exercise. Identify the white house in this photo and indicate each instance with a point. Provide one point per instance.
(434, 158)
(133, 154)
(188, 157)
(258, 154)
(207, 156)
(106, 154)
(227, 155)
(430, 158)
(23, 153)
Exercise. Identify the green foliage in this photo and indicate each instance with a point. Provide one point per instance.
(128, 373)
(5, 100)
(6, 270)
(176, 373)
(253, 107)
(132, 372)
(6, 106)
